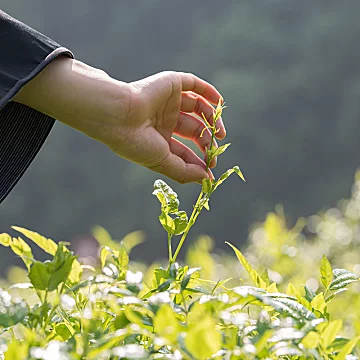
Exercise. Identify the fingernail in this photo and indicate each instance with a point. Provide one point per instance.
(211, 175)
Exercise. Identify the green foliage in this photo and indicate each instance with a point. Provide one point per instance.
(119, 313)
(169, 199)
(116, 311)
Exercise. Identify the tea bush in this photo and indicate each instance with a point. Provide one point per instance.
(74, 311)
(291, 304)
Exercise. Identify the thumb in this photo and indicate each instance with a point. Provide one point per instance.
(177, 169)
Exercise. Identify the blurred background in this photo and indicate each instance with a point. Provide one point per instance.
(288, 70)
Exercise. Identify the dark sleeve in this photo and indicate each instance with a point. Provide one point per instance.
(24, 52)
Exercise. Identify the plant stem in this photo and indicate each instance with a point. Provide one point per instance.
(189, 225)
(197, 207)
(169, 247)
(211, 146)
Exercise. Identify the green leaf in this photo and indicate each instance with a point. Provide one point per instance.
(288, 307)
(133, 239)
(123, 257)
(238, 172)
(291, 290)
(203, 340)
(226, 174)
(326, 272)
(209, 156)
(328, 335)
(181, 222)
(256, 278)
(121, 321)
(16, 350)
(319, 303)
(104, 253)
(342, 278)
(206, 186)
(167, 223)
(22, 249)
(160, 274)
(219, 284)
(166, 323)
(311, 340)
(103, 237)
(5, 239)
(167, 197)
(219, 150)
(309, 294)
(222, 178)
(174, 226)
(130, 240)
(336, 293)
(50, 274)
(63, 331)
(204, 202)
(61, 267)
(347, 349)
(50, 247)
(76, 272)
(47, 245)
(40, 275)
(185, 280)
(338, 344)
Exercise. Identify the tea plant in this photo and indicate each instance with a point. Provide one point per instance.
(178, 223)
(66, 310)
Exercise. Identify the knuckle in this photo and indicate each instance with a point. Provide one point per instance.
(198, 107)
(166, 73)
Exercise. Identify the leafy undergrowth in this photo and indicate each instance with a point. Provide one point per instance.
(74, 311)
(66, 310)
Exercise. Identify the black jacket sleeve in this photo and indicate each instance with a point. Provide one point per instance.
(24, 52)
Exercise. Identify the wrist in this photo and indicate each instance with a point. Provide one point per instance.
(78, 95)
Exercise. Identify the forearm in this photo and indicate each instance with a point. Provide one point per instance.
(78, 95)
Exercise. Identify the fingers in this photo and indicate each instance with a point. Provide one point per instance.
(192, 83)
(182, 164)
(193, 103)
(192, 128)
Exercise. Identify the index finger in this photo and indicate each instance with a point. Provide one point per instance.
(191, 82)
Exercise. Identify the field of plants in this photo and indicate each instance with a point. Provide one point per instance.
(292, 293)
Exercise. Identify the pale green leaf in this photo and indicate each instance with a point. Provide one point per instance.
(328, 335)
(256, 278)
(47, 245)
(326, 272)
(167, 223)
(238, 172)
(203, 340)
(347, 349)
(220, 150)
(167, 197)
(166, 323)
(319, 303)
(180, 222)
(22, 249)
(206, 185)
(342, 278)
(5, 239)
(311, 340)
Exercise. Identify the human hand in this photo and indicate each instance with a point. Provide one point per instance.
(161, 106)
(137, 120)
